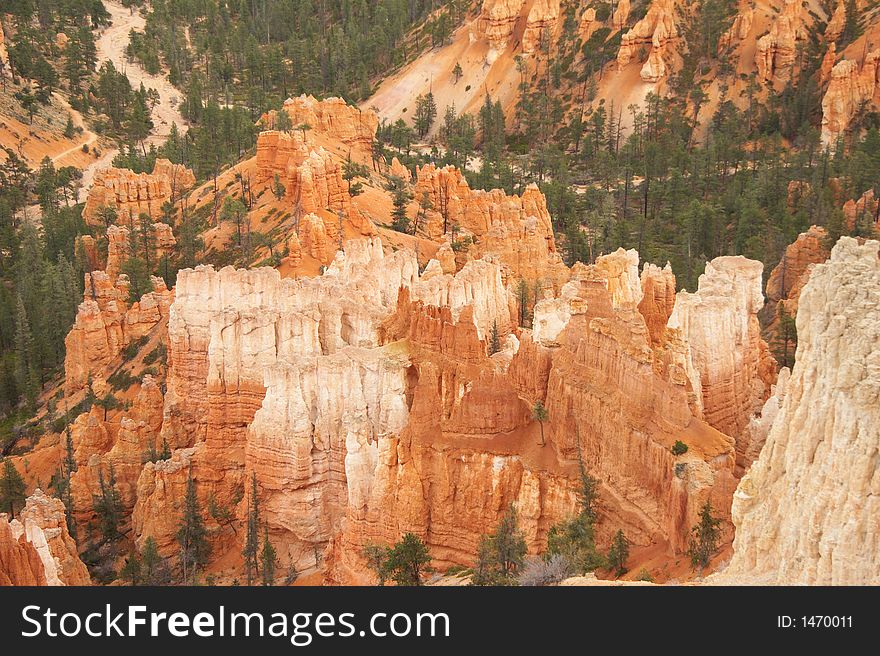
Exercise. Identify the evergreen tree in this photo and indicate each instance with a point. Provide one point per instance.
(12, 489)
(407, 559)
(25, 366)
(153, 568)
(540, 414)
(522, 297)
(495, 341)
(249, 552)
(131, 569)
(618, 554)
(401, 199)
(108, 506)
(268, 559)
(501, 555)
(457, 73)
(703, 542)
(191, 533)
(426, 112)
(377, 561)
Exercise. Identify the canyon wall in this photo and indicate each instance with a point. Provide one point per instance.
(851, 86)
(728, 362)
(131, 194)
(517, 229)
(808, 510)
(335, 119)
(776, 51)
(653, 35)
(36, 549)
(312, 178)
(106, 323)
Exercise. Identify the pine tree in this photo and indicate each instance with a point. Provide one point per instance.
(703, 542)
(25, 374)
(494, 339)
(108, 506)
(153, 568)
(501, 555)
(12, 489)
(407, 559)
(249, 552)
(377, 560)
(457, 73)
(540, 414)
(268, 559)
(522, 297)
(588, 494)
(618, 554)
(68, 467)
(401, 198)
(131, 570)
(426, 112)
(191, 534)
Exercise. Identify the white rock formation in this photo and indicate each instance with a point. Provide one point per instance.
(808, 511)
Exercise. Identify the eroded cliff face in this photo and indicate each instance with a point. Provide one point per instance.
(728, 363)
(366, 404)
(106, 323)
(654, 35)
(624, 404)
(312, 178)
(335, 119)
(541, 24)
(791, 274)
(131, 194)
(776, 51)
(852, 85)
(497, 22)
(793, 526)
(36, 549)
(516, 229)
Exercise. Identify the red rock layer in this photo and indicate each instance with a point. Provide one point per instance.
(312, 178)
(516, 229)
(132, 194)
(105, 324)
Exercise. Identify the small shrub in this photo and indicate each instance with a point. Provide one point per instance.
(121, 380)
(157, 354)
(549, 571)
(645, 575)
(679, 448)
(134, 347)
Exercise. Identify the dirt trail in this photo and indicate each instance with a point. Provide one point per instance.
(111, 46)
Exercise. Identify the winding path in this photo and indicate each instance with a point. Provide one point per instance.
(110, 46)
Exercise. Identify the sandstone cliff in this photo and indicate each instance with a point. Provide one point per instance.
(335, 119)
(312, 178)
(653, 35)
(791, 274)
(541, 24)
(517, 229)
(795, 525)
(497, 21)
(105, 323)
(850, 87)
(728, 362)
(776, 51)
(131, 194)
(36, 549)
